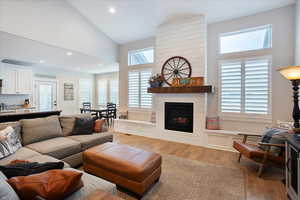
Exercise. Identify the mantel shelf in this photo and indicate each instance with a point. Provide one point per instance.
(198, 89)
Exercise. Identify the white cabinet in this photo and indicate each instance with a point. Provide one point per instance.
(16, 80)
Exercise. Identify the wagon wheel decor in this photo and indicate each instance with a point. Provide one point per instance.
(176, 67)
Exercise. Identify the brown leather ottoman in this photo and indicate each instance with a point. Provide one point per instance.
(134, 169)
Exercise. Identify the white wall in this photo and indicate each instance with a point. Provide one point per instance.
(56, 23)
(297, 33)
(282, 21)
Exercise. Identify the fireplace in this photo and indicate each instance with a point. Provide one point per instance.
(179, 116)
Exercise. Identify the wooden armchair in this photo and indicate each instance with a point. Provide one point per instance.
(256, 154)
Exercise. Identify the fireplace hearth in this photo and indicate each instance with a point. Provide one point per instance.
(179, 116)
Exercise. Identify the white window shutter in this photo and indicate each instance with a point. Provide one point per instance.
(85, 91)
(114, 91)
(133, 88)
(256, 86)
(146, 98)
(231, 91)
(102, 92)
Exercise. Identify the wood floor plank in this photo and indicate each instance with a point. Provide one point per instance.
(269, 187)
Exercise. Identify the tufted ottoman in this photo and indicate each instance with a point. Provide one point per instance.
(132, 169)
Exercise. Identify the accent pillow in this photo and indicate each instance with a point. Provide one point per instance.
(9, 142)
(28, 168)
(67, 122)
(52, 184)
(6, 191)
(274, 136)
(98, 125)
(83, 126)
(39, 129)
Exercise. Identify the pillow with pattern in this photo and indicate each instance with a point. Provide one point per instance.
(9, 142)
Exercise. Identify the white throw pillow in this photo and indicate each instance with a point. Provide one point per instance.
(9, 142)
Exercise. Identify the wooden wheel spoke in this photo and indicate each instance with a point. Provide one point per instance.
(184, 69)
(178, 62)
(180, 75)
(168, 73)
(170, 65)
(168, 77)
(183, 73)
(182, 65)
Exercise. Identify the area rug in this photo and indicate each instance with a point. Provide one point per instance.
(184, 179)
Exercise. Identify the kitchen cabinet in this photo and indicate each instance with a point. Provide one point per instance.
(16, 80)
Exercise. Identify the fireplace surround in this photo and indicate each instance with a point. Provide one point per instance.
(179, 116)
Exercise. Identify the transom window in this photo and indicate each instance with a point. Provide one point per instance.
(246, 40)
(141, 56)
(245, 86)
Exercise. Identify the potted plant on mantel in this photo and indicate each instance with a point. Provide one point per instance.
(156, 81)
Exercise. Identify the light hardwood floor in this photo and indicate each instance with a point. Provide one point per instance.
(269, 187)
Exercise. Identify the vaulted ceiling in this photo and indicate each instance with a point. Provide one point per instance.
(138, 19)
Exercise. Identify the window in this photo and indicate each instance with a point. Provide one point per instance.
(85, 91)
(138, 82)
(114, 91)
(245, 40)
(102, 92)
(141, 56)
(245, 86)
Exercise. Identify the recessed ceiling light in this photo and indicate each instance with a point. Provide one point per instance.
(42, 61)
(69, 53)
(112, 10)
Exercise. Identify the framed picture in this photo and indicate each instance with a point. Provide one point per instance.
(68, 91)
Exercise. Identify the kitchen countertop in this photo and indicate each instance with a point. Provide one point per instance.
(25, 111)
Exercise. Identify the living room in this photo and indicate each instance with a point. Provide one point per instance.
(149, 99)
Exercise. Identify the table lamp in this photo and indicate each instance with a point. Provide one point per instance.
(292, 73)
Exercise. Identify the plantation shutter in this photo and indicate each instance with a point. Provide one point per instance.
(133, 88)
(85, 91)
(146, 98)
(114, 91)
(256, 86)
(102, 92)
(231, 87)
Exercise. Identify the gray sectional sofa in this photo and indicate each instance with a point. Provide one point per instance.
(54, 143)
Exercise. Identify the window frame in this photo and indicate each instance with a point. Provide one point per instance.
(245, 31)
(138, 50)
(139, 106)
(262, 118)
(91, 91)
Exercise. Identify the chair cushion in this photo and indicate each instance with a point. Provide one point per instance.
(22, 154)
(39, 129)
(67, 122)
(59, 148)
(88, 141)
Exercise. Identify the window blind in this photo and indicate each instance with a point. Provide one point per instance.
(102, 92)
(114, 91)
(146, 98)
(231, 87)
(256, 86)
(138, 82)
(85, 91)
(133, 88)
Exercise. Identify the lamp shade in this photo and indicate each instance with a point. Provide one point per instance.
(290, 72)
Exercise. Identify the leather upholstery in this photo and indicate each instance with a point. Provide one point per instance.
(52, 184)
(253, 152)
(129, 167)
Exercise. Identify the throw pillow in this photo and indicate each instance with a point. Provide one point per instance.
(39, 129)
(28, 168)
(6, 191)
(98, 125)
(9, 142)
(52, 184)
(67, 122)
(274, 136)
(83, 126)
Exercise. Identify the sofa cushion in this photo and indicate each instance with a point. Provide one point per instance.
(67, 122)
(59, 147)
(22, 154)
(91, 184)
(88, 141)
(6, 191)
(39, 129)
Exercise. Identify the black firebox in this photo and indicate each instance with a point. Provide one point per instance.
(179, 116)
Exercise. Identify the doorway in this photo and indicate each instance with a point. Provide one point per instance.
(46, 95)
